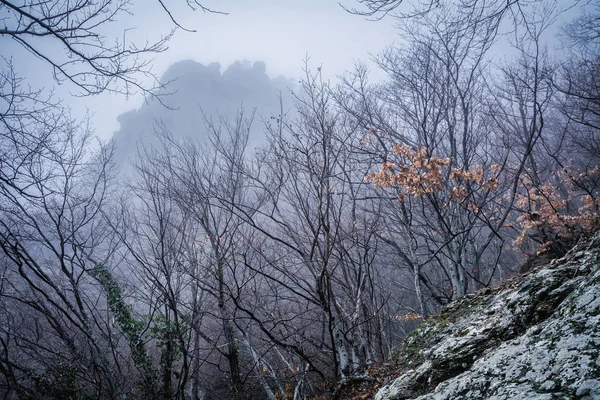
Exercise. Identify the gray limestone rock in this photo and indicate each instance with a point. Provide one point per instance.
(536, 338)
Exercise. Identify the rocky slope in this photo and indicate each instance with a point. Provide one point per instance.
(537, 337)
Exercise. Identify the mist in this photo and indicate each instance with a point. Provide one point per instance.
(193, 95)
(262, 200)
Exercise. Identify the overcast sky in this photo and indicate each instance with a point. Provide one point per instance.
(279, 32)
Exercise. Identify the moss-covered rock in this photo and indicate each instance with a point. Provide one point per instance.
(533, 338)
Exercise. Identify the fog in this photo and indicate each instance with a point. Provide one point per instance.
(282, 34)
(195, 95)
(398, 161)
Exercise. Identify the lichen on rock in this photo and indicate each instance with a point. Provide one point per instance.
(534, 338)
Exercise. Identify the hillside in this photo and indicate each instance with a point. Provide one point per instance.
(535, 337)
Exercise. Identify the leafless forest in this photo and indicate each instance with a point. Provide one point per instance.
(218, 270)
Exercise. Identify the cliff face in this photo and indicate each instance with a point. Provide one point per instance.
(537, 337)
(197, 92)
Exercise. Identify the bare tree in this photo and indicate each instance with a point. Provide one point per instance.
(68, 36)
(478, 11)
(183, 186)
(68, 330)
(51, 194)
(435, 101)
(314, 247)
(465, 148)
(560, 178)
